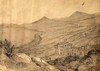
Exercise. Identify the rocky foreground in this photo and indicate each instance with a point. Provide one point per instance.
(14, 61)
(22, 62)
(89, 62)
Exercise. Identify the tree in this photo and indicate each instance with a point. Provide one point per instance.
(7, 47)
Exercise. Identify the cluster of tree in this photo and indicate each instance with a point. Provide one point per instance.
(7, 47)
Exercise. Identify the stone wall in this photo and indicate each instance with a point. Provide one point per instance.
(69, 50)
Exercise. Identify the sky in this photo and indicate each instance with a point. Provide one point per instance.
(27, 11)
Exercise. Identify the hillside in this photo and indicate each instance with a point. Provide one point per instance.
(81, 26)
(77, 26)
(49, 44)
(81, 31)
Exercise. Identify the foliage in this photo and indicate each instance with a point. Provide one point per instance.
(7, 47)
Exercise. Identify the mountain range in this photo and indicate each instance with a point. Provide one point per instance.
(79, 29)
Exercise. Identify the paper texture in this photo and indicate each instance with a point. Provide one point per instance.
(49, 35)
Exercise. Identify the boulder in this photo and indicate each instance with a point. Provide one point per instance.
(24, 58)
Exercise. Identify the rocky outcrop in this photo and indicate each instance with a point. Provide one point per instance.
(22, 62)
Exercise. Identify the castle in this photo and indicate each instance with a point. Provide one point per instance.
(66, 48)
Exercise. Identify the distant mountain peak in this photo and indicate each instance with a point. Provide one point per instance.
(42, 19)
(78, 13)
(76, 16)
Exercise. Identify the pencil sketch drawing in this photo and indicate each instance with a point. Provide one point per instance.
(49, 35)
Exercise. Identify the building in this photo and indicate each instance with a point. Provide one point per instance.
(62, 48)
(67, 49)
